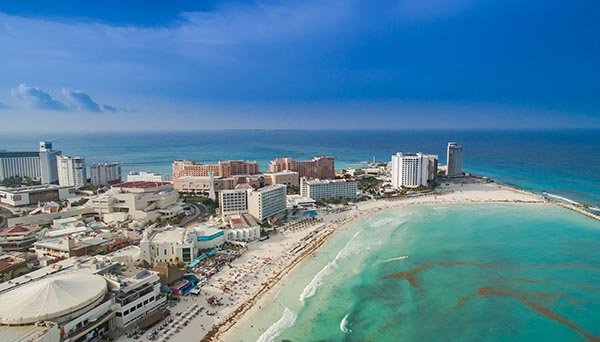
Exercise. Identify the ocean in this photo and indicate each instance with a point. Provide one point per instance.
(510, 272)
(431, 273)
(563, 162)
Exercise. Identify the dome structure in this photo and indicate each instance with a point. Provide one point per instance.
(51, 298)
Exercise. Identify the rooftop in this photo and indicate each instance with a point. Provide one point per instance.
(141, 185)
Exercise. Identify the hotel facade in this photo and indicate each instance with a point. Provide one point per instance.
(329, 189)
(267, 202)
(410, 170)
(224, 168)
(321, 167)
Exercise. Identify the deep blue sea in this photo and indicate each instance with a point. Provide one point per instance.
(564, 162)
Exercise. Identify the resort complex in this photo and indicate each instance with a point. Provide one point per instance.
(192, 255)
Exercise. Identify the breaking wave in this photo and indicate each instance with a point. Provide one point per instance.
(350, 249)
(287, 320)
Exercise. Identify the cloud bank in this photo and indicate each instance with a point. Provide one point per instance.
(75, 100)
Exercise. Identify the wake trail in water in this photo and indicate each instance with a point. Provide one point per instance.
(287, 320)
(344, 325)
(394, 259)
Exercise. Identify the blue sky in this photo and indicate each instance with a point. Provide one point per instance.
(135, 65)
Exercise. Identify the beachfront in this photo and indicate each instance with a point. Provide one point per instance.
(259, 288)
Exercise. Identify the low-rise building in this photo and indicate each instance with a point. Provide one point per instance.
(148, 177)
(329, 189)
(28, 195)
(19, 238)
(139, 201)
(267, 202)
(136, 293)
(242, 228)
(173, 245)
(288, 178)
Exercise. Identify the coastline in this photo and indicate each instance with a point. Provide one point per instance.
(465, 193)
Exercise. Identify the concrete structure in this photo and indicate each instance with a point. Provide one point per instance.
(287, 178)
(40, 165)
(298, 201)
(172, 245)
(48, 163)
(20, 164)
(224, 168)
(28, 195)
(409, 170)
(454, 160)
(148, 177)
(74, 306)
(105, 173)
(432, 167)
(267, 202)
(71, 171)
(328, 189)
(140, 201)
(321, 167)
(136, 293)
(19, 238)
(234, 201)
(242, 228)
(78, 299)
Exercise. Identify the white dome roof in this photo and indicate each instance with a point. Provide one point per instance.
(50, 298)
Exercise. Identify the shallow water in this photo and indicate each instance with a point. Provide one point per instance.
(457, 272)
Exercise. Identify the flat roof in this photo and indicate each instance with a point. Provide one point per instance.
(34, 188)
(141, 185)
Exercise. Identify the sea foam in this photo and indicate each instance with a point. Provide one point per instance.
(287, 320)
(350, 249)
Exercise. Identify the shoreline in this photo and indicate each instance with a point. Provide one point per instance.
(467, 193)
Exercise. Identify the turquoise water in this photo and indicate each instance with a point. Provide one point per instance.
(564, 162)
(446, 273)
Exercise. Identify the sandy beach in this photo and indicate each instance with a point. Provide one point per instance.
(454, 193)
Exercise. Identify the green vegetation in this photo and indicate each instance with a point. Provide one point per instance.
(369, 184)
(79, 202)
(15, 182)
(293, 190)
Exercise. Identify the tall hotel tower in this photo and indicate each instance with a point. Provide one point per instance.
(454, 160)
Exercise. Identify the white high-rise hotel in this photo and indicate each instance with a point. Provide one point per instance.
(409, 170)
(71, 171)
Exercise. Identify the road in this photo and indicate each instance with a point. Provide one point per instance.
(197, 210)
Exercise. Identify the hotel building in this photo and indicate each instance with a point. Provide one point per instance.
(105, 173)
(71, 171)
(454, 160)
(410, 170)
(233, 202)
(39, 165)
(432, 167)
(224, 168)
(321, 167)
(329, 189)
(267, 202)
